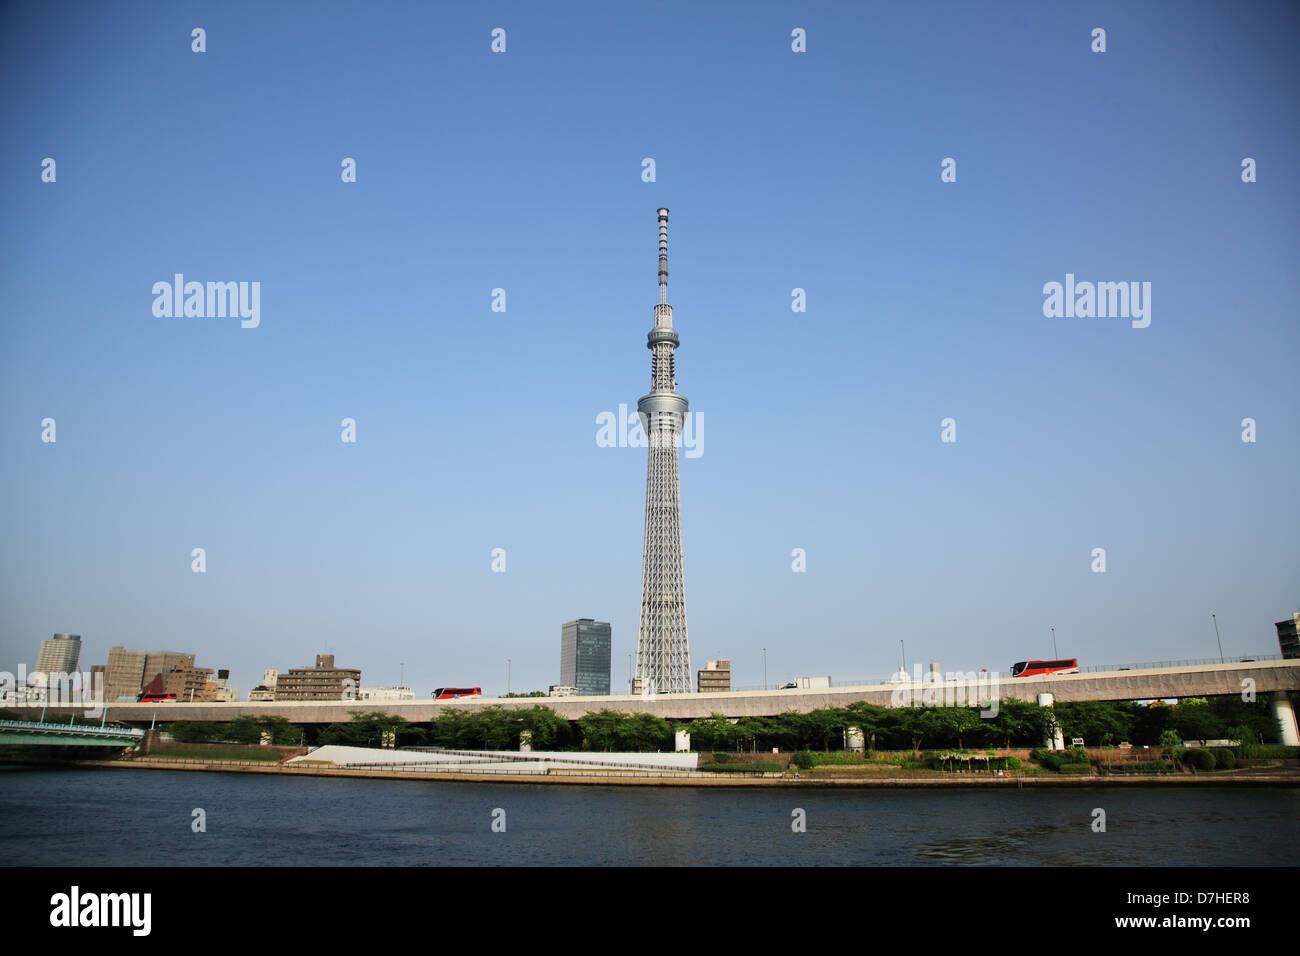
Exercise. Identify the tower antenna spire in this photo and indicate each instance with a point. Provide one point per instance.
(663, 256)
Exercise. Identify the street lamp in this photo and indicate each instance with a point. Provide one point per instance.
(1216, 635)
(1055, 652)
(765, 668)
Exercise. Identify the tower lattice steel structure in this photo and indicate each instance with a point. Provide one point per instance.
(663, 652)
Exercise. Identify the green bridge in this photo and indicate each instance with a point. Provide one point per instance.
(41, 734)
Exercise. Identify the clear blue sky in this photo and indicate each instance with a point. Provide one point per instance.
(476, 429)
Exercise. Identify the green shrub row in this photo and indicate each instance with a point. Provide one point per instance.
(1141, 766)
(1214, 758)
(840, 758)
(1267, 751)
(743, 768)
(1075, 757)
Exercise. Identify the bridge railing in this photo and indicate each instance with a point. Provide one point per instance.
(1089, 669)
(1197, 662)
(72, 728)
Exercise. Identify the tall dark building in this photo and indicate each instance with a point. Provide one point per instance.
(584, 656)
(1288, 637)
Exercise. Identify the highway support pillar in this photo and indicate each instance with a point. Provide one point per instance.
(1056, 739)
(1285, 715)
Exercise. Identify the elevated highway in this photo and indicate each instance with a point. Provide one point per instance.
(1143, 683)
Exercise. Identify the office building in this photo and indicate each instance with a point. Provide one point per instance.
(129, 672)
(322, 682)
(59, 654)
(265, 691)
(584, 656)
(124, 674)
(715, 677)
(187, 682)
(218, 689)
(164, 662)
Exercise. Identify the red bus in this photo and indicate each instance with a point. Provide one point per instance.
(1035, 668)
(155, 698)
(456, 693)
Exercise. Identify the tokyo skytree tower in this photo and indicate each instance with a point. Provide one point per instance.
(663, 653)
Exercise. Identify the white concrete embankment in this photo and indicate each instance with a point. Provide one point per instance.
(492, 761)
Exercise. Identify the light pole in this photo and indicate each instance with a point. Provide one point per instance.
(1216, 635)
(765, 668)
(1055, 652)
(507, 675)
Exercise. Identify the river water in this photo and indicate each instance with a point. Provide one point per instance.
(86, 817)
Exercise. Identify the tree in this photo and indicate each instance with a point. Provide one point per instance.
(748, 731)
(243, 730)
(827, 723)
(868, 718)
(646, 733)
(374, 729)
(918, 722)
(1094, 721)
(601, 730)
(1169, 740)
(281, 732)
(959, 721)
(546, 727)
(193, 731)
(1152, 720)
(1194, 720)
(714, 732)
(1242, 733)
(1255, 715)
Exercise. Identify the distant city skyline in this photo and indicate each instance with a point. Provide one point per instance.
(910, 434)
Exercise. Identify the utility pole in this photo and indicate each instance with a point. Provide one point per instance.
(1216, 635)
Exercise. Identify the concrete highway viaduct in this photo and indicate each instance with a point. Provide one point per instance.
(1277, 677)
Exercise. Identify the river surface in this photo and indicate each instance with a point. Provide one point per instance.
(85, 817)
